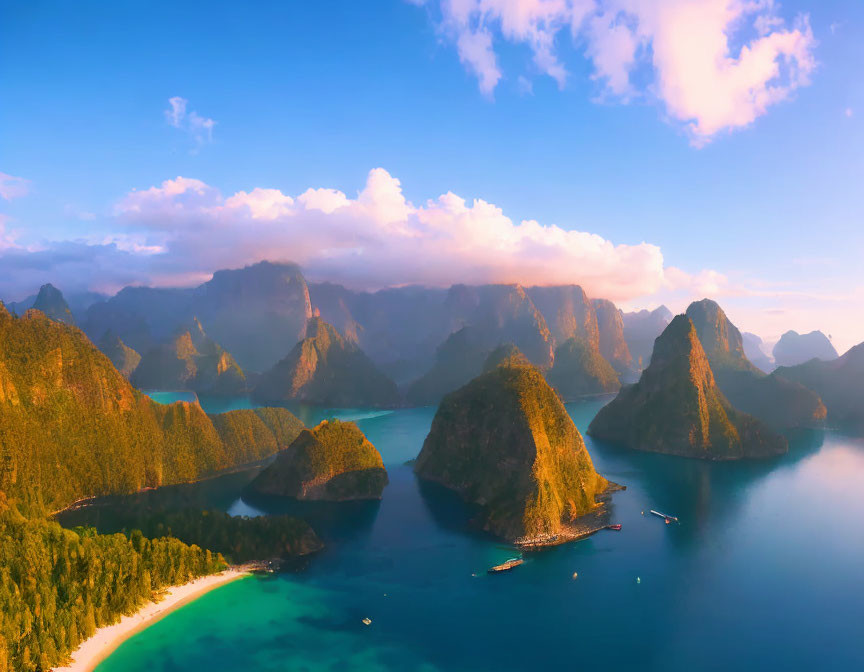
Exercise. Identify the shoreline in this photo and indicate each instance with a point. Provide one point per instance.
(91, 652)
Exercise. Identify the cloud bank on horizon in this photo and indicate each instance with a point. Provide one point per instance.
(714, 65)
(179, 232)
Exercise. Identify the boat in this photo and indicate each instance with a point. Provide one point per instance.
(667, 518)
(367, 621)
(505, 566)
(616, 527)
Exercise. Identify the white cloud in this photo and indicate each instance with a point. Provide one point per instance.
(377, 239)
(198, 127)
(715, 65)
(13, 187)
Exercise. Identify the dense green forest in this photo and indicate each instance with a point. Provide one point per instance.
(57, 586)
(239, 539)
(72, 426)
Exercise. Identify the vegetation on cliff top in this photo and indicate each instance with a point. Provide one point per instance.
(676, 407)
(332, 461)
(72, 426)
(506, 442)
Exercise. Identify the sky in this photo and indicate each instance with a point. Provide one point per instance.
(654, 151)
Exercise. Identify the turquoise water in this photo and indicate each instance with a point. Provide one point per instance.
(765, 571)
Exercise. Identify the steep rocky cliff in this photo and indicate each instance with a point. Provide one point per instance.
(326, 368)
(676, 407)
(51, 302)
(580, 370)
(568, 312)
(612, 344)
(780, 403)
(505, 441)
(193, 361)
(124, 358)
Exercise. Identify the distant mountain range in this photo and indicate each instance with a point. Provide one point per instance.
(794, 348)
(427, 340)
(323, 343)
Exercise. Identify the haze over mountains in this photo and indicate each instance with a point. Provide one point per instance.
(326, 344)
(427, 340)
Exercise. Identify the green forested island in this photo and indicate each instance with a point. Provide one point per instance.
(334, 461)
(676, 407)
(505, 441)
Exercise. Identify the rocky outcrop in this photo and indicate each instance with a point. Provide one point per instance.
(641, 329)
(332, 462)
(326, 368)
(780, 403)
(676, 407)
(505, 442)
(51, 302)
(124, 358)
(502, 314)
(192, 361)
(568, 312)
(612, 344)
(256, 313)
(581, 370)
(794, 348)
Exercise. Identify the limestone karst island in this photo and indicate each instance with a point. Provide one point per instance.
(431, 336)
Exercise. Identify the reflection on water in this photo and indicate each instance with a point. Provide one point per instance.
(764, 572)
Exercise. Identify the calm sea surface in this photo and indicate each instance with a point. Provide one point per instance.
(764, 572)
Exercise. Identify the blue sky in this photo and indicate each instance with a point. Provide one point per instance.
(318, 94)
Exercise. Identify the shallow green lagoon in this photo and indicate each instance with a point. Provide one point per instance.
(765, 571)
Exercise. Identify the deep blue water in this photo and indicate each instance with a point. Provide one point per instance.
(765, 572)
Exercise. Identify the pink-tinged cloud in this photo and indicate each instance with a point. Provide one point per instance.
(698, 71)
(377, 239)
(13, 187)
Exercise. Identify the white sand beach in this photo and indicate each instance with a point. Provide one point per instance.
(94, 650)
